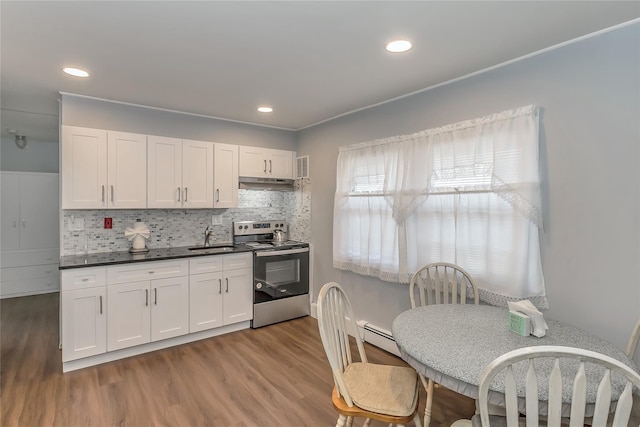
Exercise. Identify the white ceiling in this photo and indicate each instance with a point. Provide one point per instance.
(310, 60)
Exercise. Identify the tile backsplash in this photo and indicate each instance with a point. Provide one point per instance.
(179, 227)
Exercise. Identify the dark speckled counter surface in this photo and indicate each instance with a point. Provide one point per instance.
(124, 257)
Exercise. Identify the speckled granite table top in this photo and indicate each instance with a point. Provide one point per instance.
(452, 344)
(124, 257)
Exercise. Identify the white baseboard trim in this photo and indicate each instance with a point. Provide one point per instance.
(314, 310)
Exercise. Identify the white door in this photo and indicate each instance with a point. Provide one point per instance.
(205, 301)
(225, 176)
(252, 162)
(128, 315)
(10, 211)
(280, 164)
(169, 307)
(238, 295)
(39, 212)
(197, 174)
(164, 172)
(84, 323)
(127, 170)
(84, 168)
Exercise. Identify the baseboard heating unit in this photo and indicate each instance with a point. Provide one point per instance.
(377, 336)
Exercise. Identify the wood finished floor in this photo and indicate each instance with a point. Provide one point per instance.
(274, 376)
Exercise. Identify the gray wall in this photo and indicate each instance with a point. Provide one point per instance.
(589, 94)
(35, 157)
(91, 113)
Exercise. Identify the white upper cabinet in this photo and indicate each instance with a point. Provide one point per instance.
(103, 169)
(180, 173)
(84, 168)
(266, 163)
(225, 176)
(127, 170)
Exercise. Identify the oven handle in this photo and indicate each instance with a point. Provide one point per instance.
(281, 252)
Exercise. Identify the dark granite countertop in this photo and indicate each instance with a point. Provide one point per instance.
(124, 257)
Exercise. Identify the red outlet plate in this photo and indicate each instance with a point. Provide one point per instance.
(108, 223)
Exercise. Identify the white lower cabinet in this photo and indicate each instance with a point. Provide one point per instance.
(83, 313)
(221, 291)
(112, 312)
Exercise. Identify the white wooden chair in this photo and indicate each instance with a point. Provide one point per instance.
(632, 345)
(440, 283)
(535, 363)
(371, 391)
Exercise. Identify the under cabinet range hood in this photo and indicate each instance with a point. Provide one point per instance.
(276, 184)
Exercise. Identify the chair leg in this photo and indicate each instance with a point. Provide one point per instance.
(367, 422)
(427, 406)
(416, 420)
(349, 421)
(341, 420)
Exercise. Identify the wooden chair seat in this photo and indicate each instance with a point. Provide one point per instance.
(342, 408)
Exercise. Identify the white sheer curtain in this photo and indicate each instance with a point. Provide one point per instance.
(466, 193)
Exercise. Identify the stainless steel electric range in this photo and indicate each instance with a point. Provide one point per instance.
(280, 271)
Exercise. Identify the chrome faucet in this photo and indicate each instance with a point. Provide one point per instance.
(207, 236)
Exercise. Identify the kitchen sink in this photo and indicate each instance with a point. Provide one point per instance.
(212, 249)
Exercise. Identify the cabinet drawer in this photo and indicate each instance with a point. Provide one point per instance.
(147, 271)
(33, 272)
(29, 257)
(29, 286)
(209, 264)
(83, 278)
(235, 261)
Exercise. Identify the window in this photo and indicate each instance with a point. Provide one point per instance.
(466, 193)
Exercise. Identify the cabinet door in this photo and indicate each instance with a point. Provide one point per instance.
(205, 301)
(164, 172)
(39, 212)
(238, 295)
(225, 176)
(127, 170)
(128, 315)
(280, 164)
(10, 211)
(197, 174)
(169, 307)
(252, 162)
(84, 168)
(84, 323)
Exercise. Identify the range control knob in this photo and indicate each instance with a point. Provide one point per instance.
(258, 285)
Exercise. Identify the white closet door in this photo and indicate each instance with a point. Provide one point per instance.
(10, 211)
(39, 213)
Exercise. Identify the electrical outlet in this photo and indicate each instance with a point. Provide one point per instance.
(108, 223)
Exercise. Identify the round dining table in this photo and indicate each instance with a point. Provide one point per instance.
(452, 345)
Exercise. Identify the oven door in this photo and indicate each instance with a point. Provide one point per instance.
(280, 274)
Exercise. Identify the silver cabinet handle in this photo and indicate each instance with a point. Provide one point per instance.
(100, 304)
(227, 279)
(85, 279)
(15, 223)
(151, 271)
(24, 223)
(103, 194)
(186, 193)
(112, 194)
(178, 193)
(146, 297)
(155, 296)
(217, 194)
(219, 286)
(270, 171)
(265, 166)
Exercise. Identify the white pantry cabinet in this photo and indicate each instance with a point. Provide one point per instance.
(29, 228)
(220, 290)
(225, 176)
(103, 169)
(180, 173)
(83, 311)
(146, 302)
(265, 163)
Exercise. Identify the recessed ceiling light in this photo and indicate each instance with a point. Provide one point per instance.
(77, 72)
(399, 46)
(265, 109)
